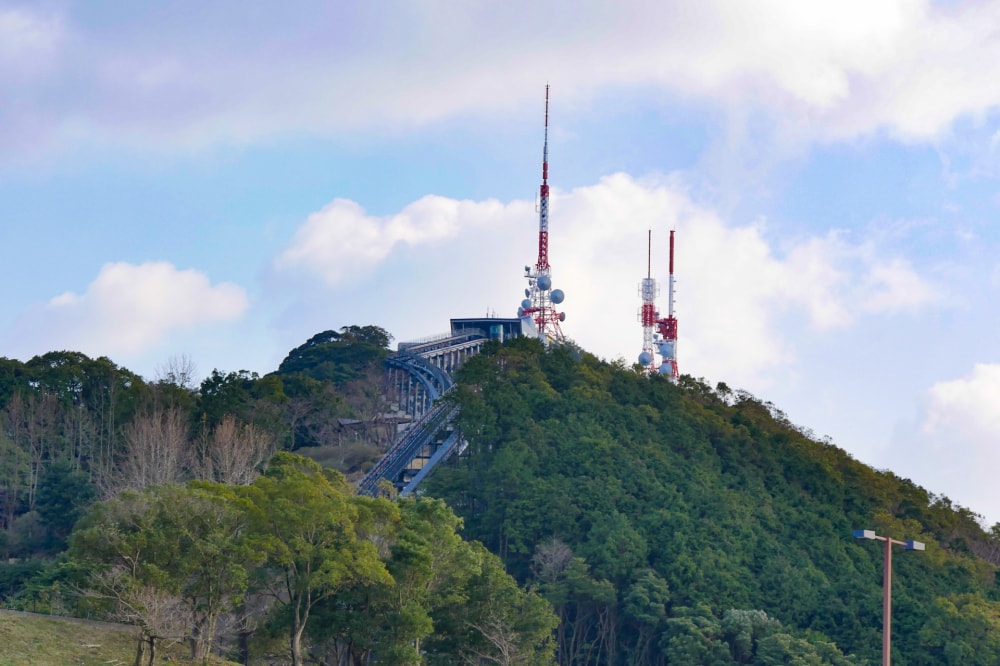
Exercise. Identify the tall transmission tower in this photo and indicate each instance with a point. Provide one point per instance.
(537, 312)
(648, 290)
(668, 327)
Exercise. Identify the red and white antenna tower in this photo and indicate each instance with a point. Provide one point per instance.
(538, 316)
(668, 326)
(648, 290)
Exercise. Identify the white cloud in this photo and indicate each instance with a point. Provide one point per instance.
(341, 242)
(954, 450)
(127, 310)
(729, 284)
(735, 289)
(896, 287)
(967, 408)
(820, 70)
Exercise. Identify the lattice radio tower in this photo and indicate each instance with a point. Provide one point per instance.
(658, 334)
(668, 326)
(537, 312)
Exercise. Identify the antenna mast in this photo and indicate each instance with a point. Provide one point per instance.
(648, 290)
(538, 316)
(668, 326)
(543, 206)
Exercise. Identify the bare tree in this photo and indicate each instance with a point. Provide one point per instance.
(155, 451)
(499, 635)
(177, 370)
(13, 480)
(33, 426)
(235, 453)
(368, 398)
(550, 560)
(158, 614)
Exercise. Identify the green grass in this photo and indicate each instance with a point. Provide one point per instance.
(56, 641)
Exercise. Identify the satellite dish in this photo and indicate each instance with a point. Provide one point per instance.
(665, 369)
(520, 312)
(545, 283)
(557, 296)
(645, 358)
(562, 316)
(525, 304)
(527, 292)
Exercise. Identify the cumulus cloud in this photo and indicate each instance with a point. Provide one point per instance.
(341, 241)
(953, 449)
(819, 70)
(896, 287)
(736, 287)
(966, 408)
(127, 309)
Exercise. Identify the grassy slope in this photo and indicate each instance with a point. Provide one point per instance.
(56, 641)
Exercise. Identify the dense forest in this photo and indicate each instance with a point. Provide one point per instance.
(680, 524)
(184, 511)
(598, 516)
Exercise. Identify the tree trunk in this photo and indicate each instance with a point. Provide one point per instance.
(243, 641)
(139, 649)
(296, 643)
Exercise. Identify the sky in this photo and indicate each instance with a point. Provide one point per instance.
(217, 182)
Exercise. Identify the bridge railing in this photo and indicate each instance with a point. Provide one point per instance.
(436, 343)
(398, 458)
(423, 434)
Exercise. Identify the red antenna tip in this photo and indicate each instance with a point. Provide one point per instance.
(546, 106)
(671, 251)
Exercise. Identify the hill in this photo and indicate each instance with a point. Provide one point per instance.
(45, 640)
(665, 523)
(683, 524)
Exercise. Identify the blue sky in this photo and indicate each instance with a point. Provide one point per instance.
(220, 181)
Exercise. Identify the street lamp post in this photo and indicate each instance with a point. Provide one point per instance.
(887, 583)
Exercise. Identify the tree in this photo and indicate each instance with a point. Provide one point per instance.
(154, 609)
(645, 609)
(508, 625)
(156, 451)
(235, 453)
(174, 385)
(63, 496)
(179, 371)
(311, 411)
(392, 616)
(693, 638)
(306, 522)
(216, 558)
(743, 629)
(584, 605)
(13, 481)
(338, 357)
(171, 559)
(224, 394)
(963, 629)
(121, 543)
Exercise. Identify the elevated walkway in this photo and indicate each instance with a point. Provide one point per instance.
(410, 460)
(421, 376)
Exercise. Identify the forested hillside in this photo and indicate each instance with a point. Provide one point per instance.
(181, 510)
(680, 524)
(658, 523)
(74, 428)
